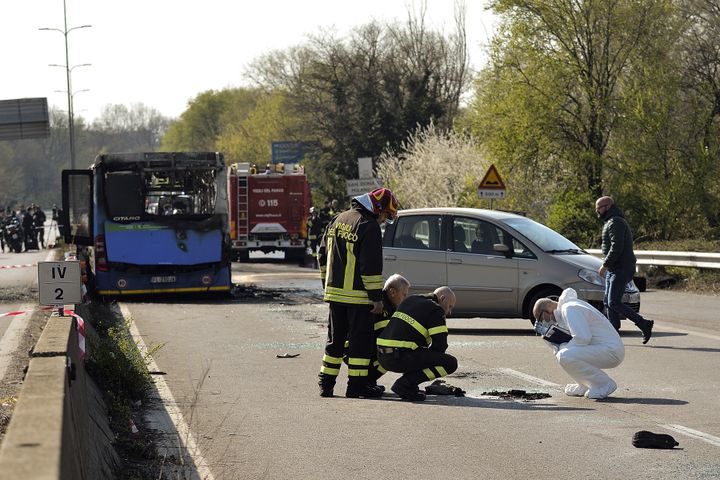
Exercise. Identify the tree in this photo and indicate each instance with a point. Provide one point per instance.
(562, 64)
(367, 92)
(137, 128)
(432, 168)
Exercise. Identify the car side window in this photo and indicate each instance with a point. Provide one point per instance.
(463, 234)
(418, 232)
(520, 250)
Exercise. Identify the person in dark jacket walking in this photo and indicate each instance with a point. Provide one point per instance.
(414, 342)
(618, 265)
(350, 261)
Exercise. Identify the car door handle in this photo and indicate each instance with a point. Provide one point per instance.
(390, 257)
(454, 260)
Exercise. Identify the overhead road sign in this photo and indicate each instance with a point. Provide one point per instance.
(491, 186)
(24, 118)
(292, 151)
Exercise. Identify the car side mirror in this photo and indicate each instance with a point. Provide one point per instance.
(502, 248)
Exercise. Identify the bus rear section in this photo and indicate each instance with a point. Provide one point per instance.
(269, 211)
(151, 222)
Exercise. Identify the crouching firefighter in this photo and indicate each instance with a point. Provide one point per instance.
(414, 342)
(350, 258)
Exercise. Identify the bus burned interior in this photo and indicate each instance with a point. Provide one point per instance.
(161, 185)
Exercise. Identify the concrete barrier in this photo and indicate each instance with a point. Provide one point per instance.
(59, 429)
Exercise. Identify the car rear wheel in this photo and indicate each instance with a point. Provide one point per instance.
(544, 292)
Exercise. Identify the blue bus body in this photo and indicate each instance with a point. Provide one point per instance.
(150, 222)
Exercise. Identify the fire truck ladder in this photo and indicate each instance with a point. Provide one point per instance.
(242, 227)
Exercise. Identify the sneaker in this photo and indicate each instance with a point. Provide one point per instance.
(363, 391)
(575, 390)
(602, 392)
(407, 391)
(647, 331)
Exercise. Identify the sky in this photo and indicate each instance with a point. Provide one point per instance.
(163, 53)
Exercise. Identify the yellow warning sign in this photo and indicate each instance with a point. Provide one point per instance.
(492, 180)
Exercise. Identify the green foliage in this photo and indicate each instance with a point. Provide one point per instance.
(573, 216)
(617, 98)
(364, 93)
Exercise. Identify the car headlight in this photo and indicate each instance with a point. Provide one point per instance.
(591, 276)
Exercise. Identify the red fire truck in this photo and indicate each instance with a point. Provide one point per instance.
(269, 210)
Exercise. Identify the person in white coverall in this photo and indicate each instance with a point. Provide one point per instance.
(595, 344)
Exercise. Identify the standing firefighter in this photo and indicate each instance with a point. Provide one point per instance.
(314, 227)
(350, 260)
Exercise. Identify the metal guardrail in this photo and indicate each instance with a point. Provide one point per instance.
(672, 259)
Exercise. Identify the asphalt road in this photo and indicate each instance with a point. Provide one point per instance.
(18, 333)
(256, 416)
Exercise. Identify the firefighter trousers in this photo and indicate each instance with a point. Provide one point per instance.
(419, 365)
(353, 323)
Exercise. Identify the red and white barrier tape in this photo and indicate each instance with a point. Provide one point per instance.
(22, 265)
(79, 322)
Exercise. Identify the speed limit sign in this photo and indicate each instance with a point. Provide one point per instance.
(59, 283)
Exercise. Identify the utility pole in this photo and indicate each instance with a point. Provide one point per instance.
(68, 70)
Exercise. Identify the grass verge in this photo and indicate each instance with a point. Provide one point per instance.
(120, 371)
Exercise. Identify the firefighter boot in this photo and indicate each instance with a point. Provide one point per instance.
(360, 388)
(327, 384)
(407, 390)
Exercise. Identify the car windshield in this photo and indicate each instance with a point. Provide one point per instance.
(546, 238)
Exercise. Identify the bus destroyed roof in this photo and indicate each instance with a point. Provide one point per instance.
(159, 160)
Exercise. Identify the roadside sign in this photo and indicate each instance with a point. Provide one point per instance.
(491, 186)
(59, 283)
(361, 185)
(365, 167)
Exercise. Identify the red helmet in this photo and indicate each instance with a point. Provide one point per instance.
(383, 200)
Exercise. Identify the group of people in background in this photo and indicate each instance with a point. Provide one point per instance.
(317, 222)
(23, 229)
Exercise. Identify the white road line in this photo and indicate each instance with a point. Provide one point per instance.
(689, 332)
(529, 378)
(183, 430)
(13, 336)
(705, 437)
(16, 330)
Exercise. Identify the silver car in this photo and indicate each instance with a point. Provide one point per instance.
(497, 263)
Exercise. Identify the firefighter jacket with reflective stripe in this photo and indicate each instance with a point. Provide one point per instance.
(419, 321)
(350, 258)
(383, 319)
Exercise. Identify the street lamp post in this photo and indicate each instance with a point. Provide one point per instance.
(68, 70)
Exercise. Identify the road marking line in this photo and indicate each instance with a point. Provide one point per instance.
(13, 336)
(183, 430)
(529, 378)
(689, 332)
(705, 437)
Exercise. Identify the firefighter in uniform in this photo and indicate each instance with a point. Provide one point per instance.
(394, 292)
(414, 342)
(314, 231)
(350, 260)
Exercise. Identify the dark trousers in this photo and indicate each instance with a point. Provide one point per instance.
(353, 323)
(615, 283)
(419, 365)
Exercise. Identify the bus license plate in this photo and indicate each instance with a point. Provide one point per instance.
(165, 279)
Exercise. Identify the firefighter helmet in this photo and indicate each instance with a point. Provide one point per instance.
(383, 200)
